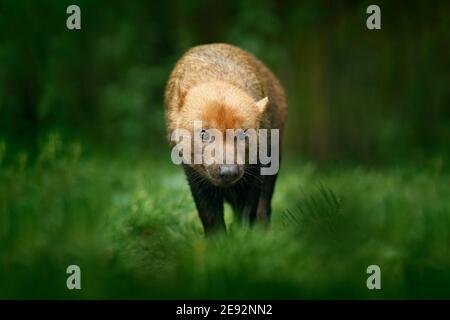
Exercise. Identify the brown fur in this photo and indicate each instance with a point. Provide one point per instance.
(224, 65)
(224, 87)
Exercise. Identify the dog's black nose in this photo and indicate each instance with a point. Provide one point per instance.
(229, 172)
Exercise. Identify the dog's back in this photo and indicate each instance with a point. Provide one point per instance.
(227, 63)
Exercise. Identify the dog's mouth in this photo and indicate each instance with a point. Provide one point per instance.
(223, 183)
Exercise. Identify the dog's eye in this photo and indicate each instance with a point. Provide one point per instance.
(205, 135)
(242, 134)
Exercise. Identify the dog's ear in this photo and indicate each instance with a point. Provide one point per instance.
(262, 104)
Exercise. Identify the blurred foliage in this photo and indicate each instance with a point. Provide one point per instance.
(354, 94)
(358, 96)
(133, 229)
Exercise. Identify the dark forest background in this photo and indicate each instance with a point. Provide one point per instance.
(86, 178)
(355, 95)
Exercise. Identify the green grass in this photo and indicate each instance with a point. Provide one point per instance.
(132, 227)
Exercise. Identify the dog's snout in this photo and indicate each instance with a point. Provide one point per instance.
(229, 171)
(224, 175)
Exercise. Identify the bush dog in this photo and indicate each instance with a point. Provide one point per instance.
(222, 87)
